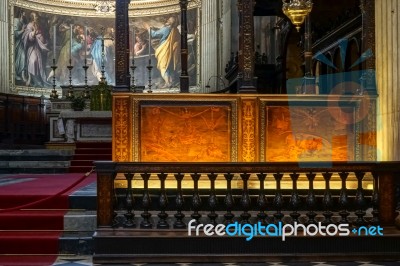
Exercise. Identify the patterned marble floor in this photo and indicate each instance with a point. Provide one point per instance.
(87, 260)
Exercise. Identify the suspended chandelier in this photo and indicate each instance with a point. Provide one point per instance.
(297, 11)
(104, 6)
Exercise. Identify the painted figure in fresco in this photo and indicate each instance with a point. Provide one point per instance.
(20, 58)
(66, 52)
(36, 52)
(141, 46)
(168, 51)
(109, 53)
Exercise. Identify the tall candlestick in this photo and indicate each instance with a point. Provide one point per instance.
(70, 43)
(54, 42)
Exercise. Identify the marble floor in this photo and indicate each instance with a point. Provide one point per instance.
(87, 260)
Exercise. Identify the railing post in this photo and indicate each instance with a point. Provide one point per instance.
(196, 199)
(105, 194)
(146, 202)
(129, 201)
(162, 223)
(229, 201)
(386, 199)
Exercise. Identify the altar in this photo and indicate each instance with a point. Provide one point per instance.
(85, 125)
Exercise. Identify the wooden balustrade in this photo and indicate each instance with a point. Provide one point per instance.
(249, 203)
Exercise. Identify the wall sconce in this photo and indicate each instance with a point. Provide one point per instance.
(208, 87)
(297, 11)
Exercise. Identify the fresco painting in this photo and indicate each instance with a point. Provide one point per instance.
(40, 38)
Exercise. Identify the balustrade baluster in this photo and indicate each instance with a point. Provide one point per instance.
(262, 200)
(310, 199)
(212, 200)
(278, 199)
(179, 224)
(146, 201)
(343, 199)
(375, 200)
(360, 200)
(294, 199)
(129, 201)
(327, 200)
(245, 199)
(229, 201)
(196, 199)
(162, 222)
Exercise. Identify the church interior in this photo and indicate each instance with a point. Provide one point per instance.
(131, 129)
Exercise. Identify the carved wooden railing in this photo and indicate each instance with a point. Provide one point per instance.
(356, 205)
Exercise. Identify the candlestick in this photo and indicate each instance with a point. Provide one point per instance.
(54, 42)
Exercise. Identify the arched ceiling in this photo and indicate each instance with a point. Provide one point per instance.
(87, 7)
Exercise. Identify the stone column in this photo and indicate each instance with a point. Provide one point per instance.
(4, 48)
(246, 80)
(387, 41)
(184, 79)
(122, 76)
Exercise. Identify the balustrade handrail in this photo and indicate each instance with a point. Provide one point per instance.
(382, 200)
(245, 167)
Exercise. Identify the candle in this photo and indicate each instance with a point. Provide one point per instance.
(149, 43)
(85, 41)
(54, 42)
(133, 42)
(70, 43)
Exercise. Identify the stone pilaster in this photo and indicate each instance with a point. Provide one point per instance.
(4, 48)
(387, 41)
(209, 33)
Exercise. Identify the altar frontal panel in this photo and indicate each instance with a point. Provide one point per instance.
(185, 131)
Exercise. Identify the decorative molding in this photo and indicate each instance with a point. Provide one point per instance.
(121, 130)
(87, 7)
(249, 130)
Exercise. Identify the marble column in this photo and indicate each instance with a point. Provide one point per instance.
(184, 78)
(4, 48)
(246, 79)
(122, 76)
(387, 41)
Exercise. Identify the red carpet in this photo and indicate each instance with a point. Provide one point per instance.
(32, 216)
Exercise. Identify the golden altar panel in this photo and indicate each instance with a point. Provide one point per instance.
(233, 127)
(185, 133)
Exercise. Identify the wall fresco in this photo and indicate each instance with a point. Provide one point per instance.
(40, 37)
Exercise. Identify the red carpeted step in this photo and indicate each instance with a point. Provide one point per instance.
(24, 260)
(88, 152)
(32, 220)
(29, 242)
(90, 145)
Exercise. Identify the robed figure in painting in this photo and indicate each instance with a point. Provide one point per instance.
(36, 50)
(168, 51)
(20, 58)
